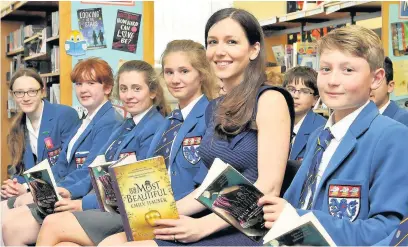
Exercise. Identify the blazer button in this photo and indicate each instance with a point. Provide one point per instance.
(173, 173)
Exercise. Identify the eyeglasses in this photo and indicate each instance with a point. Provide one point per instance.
(303, 91)
(30, 93)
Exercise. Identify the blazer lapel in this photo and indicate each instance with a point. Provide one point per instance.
(349, 141)
(188, 124)
(391, 110)
(88, 129)
(46, 127)
(302, 135)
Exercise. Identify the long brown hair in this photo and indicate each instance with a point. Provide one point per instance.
(235, 111)
(196, 54)
(152, 81)
(16, 139)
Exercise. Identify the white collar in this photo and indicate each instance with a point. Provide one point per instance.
(340, 128)
(90, 117)
(30, 126)
(138, 117)
(299, 124)
(382, 109)
(186, 110)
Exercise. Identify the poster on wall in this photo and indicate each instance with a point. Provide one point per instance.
(403, 10)
(126, 31)
(90, 22)
(400, 78)
(126, 3)
(399, 36)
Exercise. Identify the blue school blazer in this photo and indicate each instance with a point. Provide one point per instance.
(57, 123)
(186, 173)
(395, 112)
(137, 141)
(73, 174)
(311, 123)
(362, 195)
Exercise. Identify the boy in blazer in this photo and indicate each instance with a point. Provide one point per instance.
(381, 96)
(353, 166)
(300, 81)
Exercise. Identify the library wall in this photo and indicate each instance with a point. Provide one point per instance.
(109, 15)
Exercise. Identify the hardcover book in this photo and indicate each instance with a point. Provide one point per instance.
(42, 186)
(231, 196)
(144, 194)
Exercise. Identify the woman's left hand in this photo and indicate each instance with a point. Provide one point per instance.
(184, 230)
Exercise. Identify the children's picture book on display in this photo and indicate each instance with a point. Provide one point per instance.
(90, 22)
(42, 186)
(144, 194)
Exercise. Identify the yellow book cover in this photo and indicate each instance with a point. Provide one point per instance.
(144, 194)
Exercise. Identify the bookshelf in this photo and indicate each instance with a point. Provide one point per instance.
(18, 14)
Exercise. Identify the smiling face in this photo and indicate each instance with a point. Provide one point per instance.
(29, 86)
(134, 92)
(91, 94)
(229, 51)
(345, 81)
(303, 97)
(182, 79)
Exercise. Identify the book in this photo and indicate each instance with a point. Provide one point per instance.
(42, 186)
(102, 183)
(126, 32)
(279, 53)
(291, 229)
(90, 22)
(144, 194)
(234, 198)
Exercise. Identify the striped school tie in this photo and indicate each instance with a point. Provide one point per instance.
(164, 146)
(310, 183)
(126, 128)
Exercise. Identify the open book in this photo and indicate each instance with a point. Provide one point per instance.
(234, 198)
(231, 196)
(42, 186)
(291, 229)
(144, 194)
(102, 182)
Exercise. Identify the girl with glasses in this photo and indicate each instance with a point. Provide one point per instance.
(93, 80)
(37, 132)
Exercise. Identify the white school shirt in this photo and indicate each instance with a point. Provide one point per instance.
(33, 134)
(338, 131)
(382, 109)
(296, 128)
(82, 128)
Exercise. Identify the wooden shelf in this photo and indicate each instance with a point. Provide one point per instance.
(15, 52)
(50, 74)
(23, 10)
(8, 9)
(36, 36)
(39, 56)
(52, 38)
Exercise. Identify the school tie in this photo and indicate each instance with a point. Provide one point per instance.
(310, 183)
(126, 128)
(164, 146)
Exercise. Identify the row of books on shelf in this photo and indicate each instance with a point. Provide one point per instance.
(399, 36)
(15, 40)
(140, 191)
(302, 54)
(55, 23)
(55, 59)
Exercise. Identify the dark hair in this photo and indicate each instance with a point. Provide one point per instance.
(151, 79)
(16, 138)
(94, 69)
(235, 111)
(389, 71)
(302, 74)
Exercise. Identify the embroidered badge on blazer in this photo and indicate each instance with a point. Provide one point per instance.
(122, 155)
(52, 152)
(80, 161)
(344, 201)
(190, 146)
